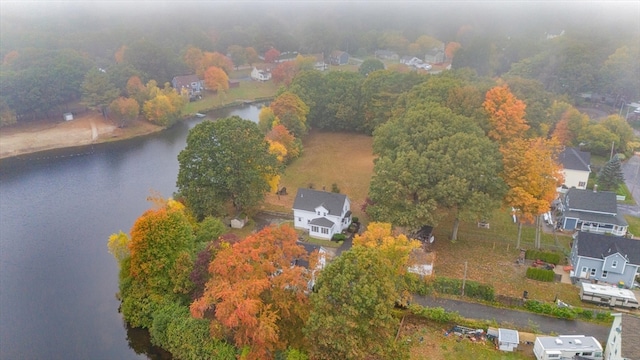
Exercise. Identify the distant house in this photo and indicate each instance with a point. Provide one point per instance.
(322, 257)
(338, 57)
(287, 56)
(386, 55)
(319, 63)
(604, 258)
(322, 213)
(191, 83)
(576, 166)
(623, 343)
(261, 72)
(435, 55)
(592, 211)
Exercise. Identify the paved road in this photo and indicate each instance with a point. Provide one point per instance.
(520, 319)
(631, 171)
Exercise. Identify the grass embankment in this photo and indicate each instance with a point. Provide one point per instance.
(634, 225)
(247, 91)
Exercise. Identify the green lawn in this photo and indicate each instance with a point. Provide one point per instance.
(248, 90)
(634, 225)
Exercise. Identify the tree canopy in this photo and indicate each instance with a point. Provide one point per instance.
(226, 161)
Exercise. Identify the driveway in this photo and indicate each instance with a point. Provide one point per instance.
(519, 319)
(631, 172)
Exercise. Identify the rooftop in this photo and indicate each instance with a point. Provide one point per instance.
(599, 246)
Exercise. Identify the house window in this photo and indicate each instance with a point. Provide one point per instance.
(314, 228)
(604, 274)
(614, 264)
(299, 219)
(325, 230)
(581, 184)
(593, 272)
(587, 353)
(317, 212)
(325, 214)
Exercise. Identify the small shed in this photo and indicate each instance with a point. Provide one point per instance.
(238, 222)
(67, 116)
(508, 339)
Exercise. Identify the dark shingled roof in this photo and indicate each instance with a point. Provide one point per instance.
(309, 200)
(597, 218)
(599, 246)
(574, 159)
(587, 200)
(309, 248)
(185, 81)
(322, 221)
(630, 346)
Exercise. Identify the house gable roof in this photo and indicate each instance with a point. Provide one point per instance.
(587, 200)
(630, 346)
(309, 200)
(184, 81)
(574, 159)
(599, 246)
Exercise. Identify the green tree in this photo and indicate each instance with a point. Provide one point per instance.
(98, 91)
(292, 112)
(611, 176)
(370, 65)
(351, 316)
(620, 127)
(225, 161)
(597, 139)
(342, 107)
(238, 55)
(311, 87)
(209, 229)
(430, 162)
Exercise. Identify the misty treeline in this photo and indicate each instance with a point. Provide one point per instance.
(47, 49)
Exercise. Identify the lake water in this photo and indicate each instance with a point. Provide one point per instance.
(57, 279)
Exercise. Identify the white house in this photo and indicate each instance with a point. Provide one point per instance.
(623, 342)
(566, 347)
(322, 258)
(322, 213)
(261, 73)
(576, 166)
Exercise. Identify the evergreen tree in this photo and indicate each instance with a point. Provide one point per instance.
(610, 177)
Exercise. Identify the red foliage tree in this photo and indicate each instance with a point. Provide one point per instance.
(271, 55)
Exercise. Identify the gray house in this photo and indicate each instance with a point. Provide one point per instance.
(338, 57)
(592, 211)
(435, 55)
(605, 258)
(191, 83)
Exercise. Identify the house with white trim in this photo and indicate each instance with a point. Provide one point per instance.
(604, 258)
(322, 213)
(576, 167)
(592, 211)
(623, 342)
(567, 347)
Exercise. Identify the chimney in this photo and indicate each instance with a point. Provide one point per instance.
(595, 187)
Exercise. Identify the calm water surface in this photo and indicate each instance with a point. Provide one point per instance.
(57, 280)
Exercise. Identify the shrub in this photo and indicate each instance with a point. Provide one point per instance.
(472, 289)
(355, 220)
(548, 257)
(550, 309)
(338, 237)
(335, 188)
(540, 274)
(437, 314)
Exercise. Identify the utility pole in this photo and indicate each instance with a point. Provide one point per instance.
(464, 278)
(611, 156)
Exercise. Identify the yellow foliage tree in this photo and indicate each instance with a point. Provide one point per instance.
(396, 248)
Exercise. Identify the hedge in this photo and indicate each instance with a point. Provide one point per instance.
(338, 237)
(548, 257)
(540, 274)
(550, 309)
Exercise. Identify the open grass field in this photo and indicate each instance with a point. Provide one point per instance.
(328, 158)
(428, 342)
(634, 225)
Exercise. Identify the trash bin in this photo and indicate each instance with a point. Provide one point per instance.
(525, 294)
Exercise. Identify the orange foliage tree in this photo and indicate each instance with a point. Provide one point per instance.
(218, 60)
(124, 109)
(259, 298)
(119, 55)
(506, 114)
(216, 79)
(193, 58)
(279, 133)
(532, 173)
(271, 55)
(451, 48)
(284, 72)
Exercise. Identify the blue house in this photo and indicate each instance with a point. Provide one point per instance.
(189, 83)
(592, 211)
(605, 258)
